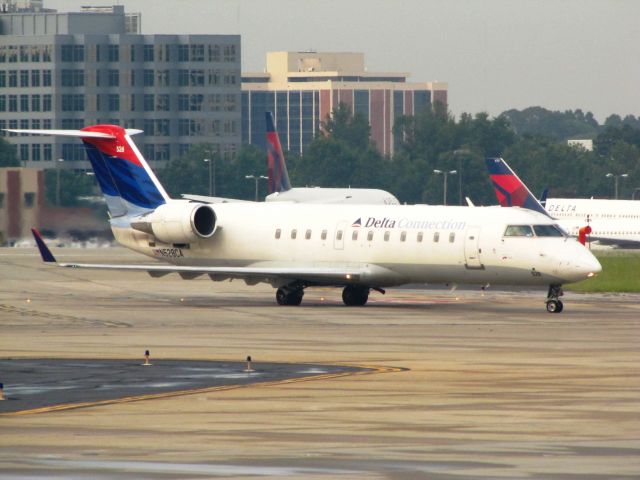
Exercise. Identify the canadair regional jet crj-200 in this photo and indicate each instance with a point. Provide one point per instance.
(295, 246)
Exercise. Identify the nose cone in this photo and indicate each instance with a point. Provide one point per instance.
(580, 265)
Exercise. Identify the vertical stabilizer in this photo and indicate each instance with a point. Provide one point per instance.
(278, 175)
(127, 182)
(125, 178)
(510, 190)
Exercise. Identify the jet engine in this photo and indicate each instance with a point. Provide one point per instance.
(178, 222)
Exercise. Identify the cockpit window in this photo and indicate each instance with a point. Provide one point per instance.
(548, 231)
(518, 231)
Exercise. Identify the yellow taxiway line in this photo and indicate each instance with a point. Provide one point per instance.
(179, 393)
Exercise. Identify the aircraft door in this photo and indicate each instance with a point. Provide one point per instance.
(338, 235)
(472, 248)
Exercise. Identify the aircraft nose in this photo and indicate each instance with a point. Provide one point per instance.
(589, 264)
(582, 264)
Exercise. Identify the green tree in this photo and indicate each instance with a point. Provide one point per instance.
(553, 124)
(189, 173)
(433, 139)
(73, 187)
(343, 155)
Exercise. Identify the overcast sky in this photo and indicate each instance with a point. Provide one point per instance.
(494, 54)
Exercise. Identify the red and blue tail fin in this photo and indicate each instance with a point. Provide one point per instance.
(125, 178)
(510, 190)
(278, 175)
(122, 171)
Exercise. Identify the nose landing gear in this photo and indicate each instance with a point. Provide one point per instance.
(554, 304)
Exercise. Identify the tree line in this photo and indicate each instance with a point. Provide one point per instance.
(533, 141)
(536, 148)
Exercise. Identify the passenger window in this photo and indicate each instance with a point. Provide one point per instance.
(339, 235)
(278, 233)
(307, 235)
(294, 233)
(354, 235)
(419, 237)
(370, 235)
(436, 237)
(323, 235)
(452, 237)
(403, 236)
(518, 231)
(387, 234)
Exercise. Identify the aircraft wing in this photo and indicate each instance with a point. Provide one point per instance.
(614, 242)
(206, 199)
(329, 275)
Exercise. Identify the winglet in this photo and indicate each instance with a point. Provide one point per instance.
(45, 253)
(543, 197)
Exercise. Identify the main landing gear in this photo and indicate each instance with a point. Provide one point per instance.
(352, 295)
(290, 295)
(554, 304)
(355, 295)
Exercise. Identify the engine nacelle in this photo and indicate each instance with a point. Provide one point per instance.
(179, 222)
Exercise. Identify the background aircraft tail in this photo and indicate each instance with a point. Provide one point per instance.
(278, 175)
(510, 190)
(125, 178)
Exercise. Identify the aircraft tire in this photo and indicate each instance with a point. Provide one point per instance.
(355, 296)
(554, 306)
(289, 297)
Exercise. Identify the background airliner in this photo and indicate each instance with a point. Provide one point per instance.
(280, 189)
(612, 222)
(294, 246)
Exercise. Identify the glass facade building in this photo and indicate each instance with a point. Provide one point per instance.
(301, 89)
(70, 70)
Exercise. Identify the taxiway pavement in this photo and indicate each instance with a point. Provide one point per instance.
(495, 387)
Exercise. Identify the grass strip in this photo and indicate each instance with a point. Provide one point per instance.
(620, 273)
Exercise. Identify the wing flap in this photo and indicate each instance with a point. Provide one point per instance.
(311, 273)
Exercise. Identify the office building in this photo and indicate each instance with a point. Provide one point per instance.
(303, 88)
(69, 70)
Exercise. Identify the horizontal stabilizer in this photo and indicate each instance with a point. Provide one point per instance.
(72, 133)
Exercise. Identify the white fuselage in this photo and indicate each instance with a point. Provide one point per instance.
(354, 196)
(612, 221)
(391, 245)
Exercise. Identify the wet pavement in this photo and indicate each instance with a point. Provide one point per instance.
(55, 384)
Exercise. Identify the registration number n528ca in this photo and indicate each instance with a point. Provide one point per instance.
(168, 252)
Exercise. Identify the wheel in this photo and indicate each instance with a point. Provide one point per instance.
(281, 296)
(295, 297)
(554, 306)
(354, 295)
(289, 297)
